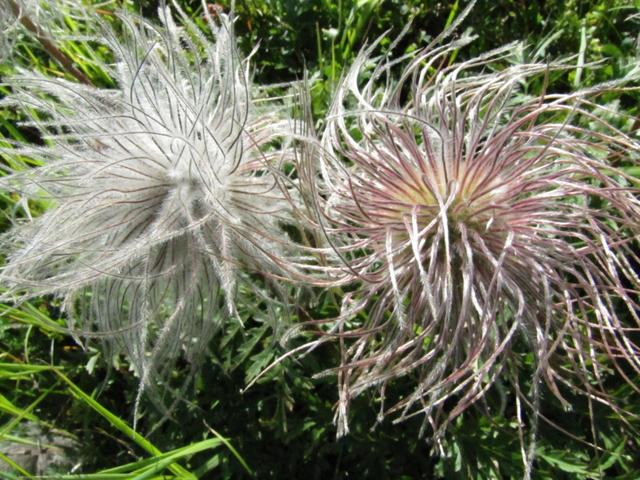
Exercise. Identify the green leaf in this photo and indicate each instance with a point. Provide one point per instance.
(563, 465)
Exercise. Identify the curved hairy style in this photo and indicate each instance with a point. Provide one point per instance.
(164, 192)
(469, 215)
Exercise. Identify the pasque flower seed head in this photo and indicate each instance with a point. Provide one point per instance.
(467, 215)
(163, 191)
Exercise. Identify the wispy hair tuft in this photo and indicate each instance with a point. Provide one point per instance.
(164, 193)
(476, 223)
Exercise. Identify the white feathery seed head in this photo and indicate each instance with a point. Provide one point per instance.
(164, 192)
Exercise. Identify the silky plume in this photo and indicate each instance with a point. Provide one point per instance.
(163, 194)
(468, 217)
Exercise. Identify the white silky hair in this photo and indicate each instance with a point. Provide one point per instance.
(164, 193)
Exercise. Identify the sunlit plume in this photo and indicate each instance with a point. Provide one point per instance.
(475, 224)
(164, 193)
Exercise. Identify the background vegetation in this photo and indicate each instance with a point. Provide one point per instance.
(63, 407)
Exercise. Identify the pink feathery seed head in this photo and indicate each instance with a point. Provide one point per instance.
(469, 215)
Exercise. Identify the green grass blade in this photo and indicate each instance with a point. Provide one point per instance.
(13, 371)
(31, 315)
(147, 468)
(121, 425)
(15, 466)
(177, 453)
(232, 450)
(7, 407)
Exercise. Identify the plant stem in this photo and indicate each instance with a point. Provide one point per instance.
(48, 44)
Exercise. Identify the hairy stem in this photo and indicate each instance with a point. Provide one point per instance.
(48, 44)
